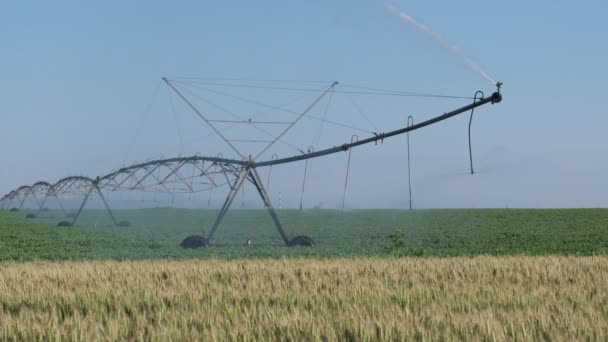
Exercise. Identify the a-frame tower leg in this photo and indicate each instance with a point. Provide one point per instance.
(259, 185)
(249, 173)
(84, 201)
(46, 196)
(96, 188)
(103, 199)
(234, 188)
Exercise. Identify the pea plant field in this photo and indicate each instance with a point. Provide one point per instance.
(157, 233)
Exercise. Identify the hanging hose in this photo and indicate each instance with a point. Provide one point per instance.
(174, 185)
(274, 157)
(192, 180)
(243, 197)
(478, 96)
(213, 179)
(410, 122)
(310, 150)
(350, 151)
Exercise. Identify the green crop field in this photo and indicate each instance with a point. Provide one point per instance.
(156, 234)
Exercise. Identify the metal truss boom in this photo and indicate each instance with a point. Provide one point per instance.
(237, 172)
(495, 98)
(109, 180)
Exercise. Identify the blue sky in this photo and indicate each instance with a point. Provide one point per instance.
(78, 76)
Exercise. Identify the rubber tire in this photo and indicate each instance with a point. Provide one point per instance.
(302, 240)
(194, 241)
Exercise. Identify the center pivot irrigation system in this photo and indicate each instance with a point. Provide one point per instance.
(199, 173)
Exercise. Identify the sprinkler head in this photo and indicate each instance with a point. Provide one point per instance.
(496, 97)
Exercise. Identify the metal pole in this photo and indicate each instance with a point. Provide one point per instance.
(350, 151)
(35, 198)
(297, 119)
(192, 179)
(42, 204)
(8, 206)
(65, 213)
(219, 156)
(238, 182)
(203, 117)
(86, 198)
(243, 197)
(106, 205)
(410, 123)
(274, 157)
(310, 150)
(256, 180)
(478, 96)
(24, 198)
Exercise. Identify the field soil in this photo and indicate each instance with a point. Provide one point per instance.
(469, 299)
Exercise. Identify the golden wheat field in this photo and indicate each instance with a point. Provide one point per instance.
(481, 298)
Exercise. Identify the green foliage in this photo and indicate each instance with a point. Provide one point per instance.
(397, 240)
(156, 234)
(398, 247)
